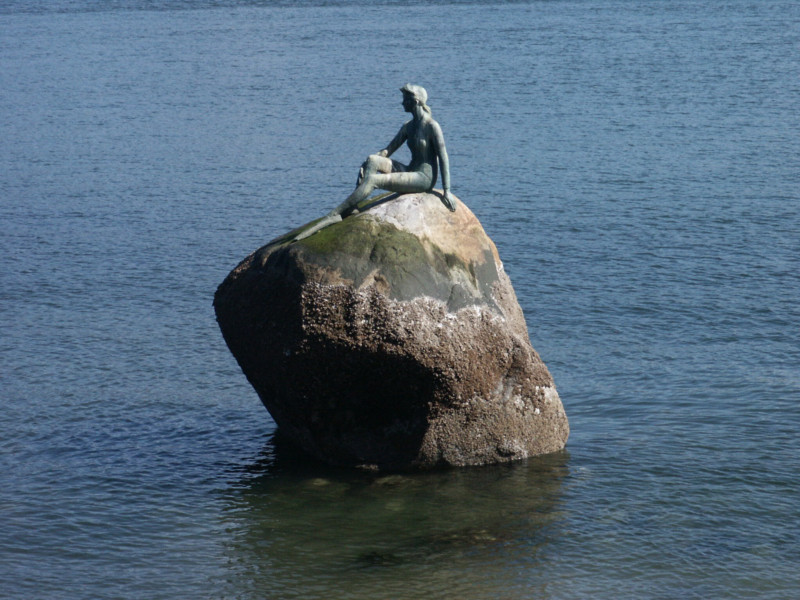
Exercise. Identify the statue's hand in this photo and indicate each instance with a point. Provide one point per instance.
(383, 153)
(449, 201)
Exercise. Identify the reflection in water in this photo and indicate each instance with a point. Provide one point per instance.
(305, 530)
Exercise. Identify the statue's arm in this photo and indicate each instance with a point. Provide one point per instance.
(441, 151)
(444, 165)
(396, 142)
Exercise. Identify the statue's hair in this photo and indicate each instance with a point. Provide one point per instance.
(419, 94)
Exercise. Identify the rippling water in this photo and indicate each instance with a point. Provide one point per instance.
(636, 162)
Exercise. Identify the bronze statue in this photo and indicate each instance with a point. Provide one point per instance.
(428, 155)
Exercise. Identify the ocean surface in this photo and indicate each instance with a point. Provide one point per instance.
(637, 163)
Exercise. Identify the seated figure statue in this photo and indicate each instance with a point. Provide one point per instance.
(428, 154)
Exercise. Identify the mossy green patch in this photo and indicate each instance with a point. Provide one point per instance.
(349, 236)
(361, 249)
(357, 249)
(362, 206)
(382, 243)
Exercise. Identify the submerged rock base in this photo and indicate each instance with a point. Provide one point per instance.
(391, 341)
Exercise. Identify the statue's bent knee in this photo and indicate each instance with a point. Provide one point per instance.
(375, 163)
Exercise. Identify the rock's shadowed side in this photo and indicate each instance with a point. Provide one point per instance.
(392, 340)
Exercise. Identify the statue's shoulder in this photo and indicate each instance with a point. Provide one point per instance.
(431, 123)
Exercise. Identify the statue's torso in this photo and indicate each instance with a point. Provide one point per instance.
(420, 143)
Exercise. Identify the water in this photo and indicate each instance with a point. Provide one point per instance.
(637, 164)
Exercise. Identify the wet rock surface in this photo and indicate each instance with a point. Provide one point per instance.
(392, 340)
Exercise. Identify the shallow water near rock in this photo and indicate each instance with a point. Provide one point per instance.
(635, 163)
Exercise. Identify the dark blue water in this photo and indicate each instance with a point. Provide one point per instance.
(637, 164)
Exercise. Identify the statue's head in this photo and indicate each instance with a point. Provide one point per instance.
(416, 93)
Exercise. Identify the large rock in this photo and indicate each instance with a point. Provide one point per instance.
(392, 340)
